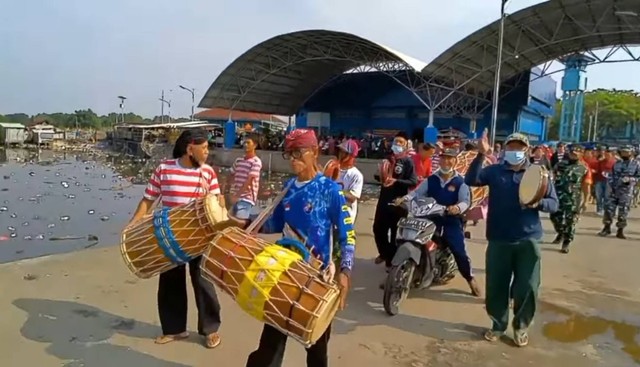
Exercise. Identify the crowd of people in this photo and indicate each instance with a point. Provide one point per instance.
(318, 213)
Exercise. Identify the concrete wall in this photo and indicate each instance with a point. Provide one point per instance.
(274, 162)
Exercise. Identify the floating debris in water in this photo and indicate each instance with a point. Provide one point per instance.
(32, 173)
(51, 225)
(25, 224)
(40, 237)
(64, 218)
(86, 189)
(3, 208)
(14, 215)
(105, 218)
(13, 235)
(64, 184)
(70, 196)
(29, 277)
(91, 212)
(27, 238)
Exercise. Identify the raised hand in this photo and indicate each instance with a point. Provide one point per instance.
(483, 143)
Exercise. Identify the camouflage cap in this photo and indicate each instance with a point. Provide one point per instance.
(517, 137)
(449, 152)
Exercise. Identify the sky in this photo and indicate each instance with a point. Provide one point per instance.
(63, 55)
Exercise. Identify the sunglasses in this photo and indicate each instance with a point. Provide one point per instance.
(295, 154)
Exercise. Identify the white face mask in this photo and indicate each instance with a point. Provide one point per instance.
(445, 171)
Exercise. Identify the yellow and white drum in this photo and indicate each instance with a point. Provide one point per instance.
(172, 236)
(534, 184)
(273, 284)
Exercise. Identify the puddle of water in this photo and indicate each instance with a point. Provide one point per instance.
(579, 328)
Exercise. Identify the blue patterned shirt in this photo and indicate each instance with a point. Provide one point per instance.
(314, 209)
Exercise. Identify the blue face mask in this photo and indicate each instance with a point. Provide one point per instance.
(397, 149)
(514, 157)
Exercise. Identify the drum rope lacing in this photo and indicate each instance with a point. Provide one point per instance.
(254, 245)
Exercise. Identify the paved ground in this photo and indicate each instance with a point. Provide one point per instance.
(86, 309)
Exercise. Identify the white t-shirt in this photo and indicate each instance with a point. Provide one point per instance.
(351, 181)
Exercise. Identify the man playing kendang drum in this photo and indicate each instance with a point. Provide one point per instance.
(313, 206)
(624, 176)
(447, 188)
(397, 184)
(514, 233)
(177, 182)
(572, 187)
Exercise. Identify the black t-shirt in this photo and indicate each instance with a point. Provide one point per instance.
(404, 173)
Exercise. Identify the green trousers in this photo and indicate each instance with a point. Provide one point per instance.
(505, 262)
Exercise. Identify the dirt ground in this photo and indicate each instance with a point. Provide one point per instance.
(87, 309)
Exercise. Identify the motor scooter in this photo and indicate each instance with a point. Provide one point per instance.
(422, 257)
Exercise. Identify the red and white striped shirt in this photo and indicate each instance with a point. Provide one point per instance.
(180, 185)
(244, 168)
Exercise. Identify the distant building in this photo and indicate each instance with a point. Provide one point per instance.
(12, 133)
(42, 133)
(244, 120)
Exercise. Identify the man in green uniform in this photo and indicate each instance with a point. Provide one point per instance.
(572, 188)
(514, 233)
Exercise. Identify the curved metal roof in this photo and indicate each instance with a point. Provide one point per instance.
(535, 35)
(278, 75)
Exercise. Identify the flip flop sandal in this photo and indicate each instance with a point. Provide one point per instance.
(521, 338)
(378, 260)
(492, 336)
(212, 340)
(166, 339)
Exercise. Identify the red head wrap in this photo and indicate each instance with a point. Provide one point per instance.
(300, 139)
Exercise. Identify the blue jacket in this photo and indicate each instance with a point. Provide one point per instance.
(313, 210)
(507, 219)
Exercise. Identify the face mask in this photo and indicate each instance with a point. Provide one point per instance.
(446, 171)
(397, 149)
(514, 158)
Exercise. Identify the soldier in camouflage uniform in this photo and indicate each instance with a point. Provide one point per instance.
(624, 176)
(572, 187)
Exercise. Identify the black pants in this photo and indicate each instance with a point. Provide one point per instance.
(270, 352)
(385, 220)
(172, 300)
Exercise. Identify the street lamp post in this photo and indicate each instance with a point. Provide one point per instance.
(193, 98)
(122, 99)
(496, 85)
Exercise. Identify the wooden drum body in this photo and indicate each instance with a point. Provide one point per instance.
(534, 184)
(478, 194)
(172, 236)
(332, 169)
(271, 283)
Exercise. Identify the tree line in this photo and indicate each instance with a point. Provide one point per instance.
(615, 110)
(84, 119)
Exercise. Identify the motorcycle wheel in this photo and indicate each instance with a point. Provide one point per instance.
(397, 286)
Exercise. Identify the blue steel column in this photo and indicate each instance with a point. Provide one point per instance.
(573, 88)
(430, 131)
(229, 134)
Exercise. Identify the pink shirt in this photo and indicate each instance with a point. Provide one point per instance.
(244, 168)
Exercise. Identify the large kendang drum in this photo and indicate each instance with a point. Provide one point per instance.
(169, 237)
(272, 283)
(478, 194)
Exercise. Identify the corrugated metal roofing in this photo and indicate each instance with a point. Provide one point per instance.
(12, 125)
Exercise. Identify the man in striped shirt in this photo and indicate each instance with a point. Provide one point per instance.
(245, 180)
(177, 182)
